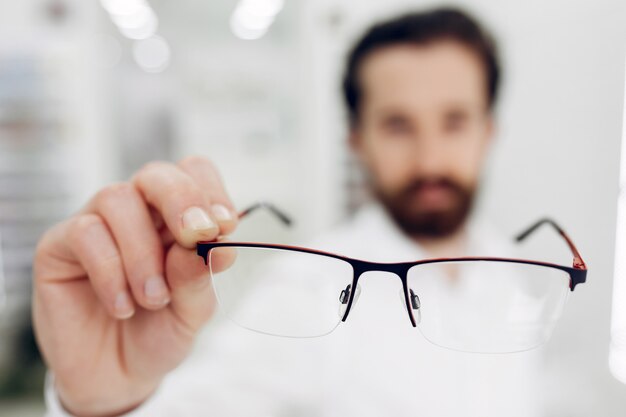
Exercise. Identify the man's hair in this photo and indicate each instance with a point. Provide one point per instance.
(421, 28)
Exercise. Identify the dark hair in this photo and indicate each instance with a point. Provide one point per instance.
(421, 28)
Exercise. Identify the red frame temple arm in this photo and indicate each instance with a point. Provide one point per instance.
(578, 261)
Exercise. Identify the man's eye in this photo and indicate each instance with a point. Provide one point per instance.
(396, 126)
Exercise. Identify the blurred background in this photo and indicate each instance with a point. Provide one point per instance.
(91, 90)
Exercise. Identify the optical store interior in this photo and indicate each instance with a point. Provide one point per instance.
(92, 90)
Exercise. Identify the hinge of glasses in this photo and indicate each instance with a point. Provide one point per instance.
(579, 264)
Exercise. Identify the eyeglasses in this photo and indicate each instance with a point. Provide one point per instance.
(470, 304)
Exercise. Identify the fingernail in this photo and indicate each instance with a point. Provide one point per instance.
(123, 306)
(221, 213)
(156, 291)
(196, 218)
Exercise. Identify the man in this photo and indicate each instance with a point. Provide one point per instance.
(120, 293)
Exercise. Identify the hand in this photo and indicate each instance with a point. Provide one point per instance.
(119, 291)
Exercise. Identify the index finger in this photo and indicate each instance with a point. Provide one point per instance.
(184, 206)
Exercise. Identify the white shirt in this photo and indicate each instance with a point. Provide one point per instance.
(374, 364)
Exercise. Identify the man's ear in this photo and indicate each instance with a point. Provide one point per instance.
(491, 128)
(354, 140)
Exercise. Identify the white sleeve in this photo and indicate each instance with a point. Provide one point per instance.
(55, 409)
(53, 404)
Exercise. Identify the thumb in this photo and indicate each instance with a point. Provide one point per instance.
(193, 298)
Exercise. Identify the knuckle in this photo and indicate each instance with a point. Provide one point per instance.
(40, 250)
(194, 161)
(44, 244)
(114, 192)
(45, 240)
(80, 224)
(153, 166)
(149, 168)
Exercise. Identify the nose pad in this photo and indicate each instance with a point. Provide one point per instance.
(415, 304)
(344, 297)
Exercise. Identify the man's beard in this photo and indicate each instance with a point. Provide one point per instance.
(417, 221)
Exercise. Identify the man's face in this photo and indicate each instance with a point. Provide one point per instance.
(423, 131)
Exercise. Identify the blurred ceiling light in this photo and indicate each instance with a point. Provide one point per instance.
(123, 7)
(243, 31)
(262, 7)
(252, 18)
(135, 19)
(141, 32)
(152, 54)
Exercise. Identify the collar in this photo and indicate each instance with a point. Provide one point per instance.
(380, 239)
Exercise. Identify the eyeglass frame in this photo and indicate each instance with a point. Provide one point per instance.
(577, 272)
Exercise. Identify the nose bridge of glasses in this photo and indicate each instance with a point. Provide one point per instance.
(398, 269)
(348, 298)
(361, 268)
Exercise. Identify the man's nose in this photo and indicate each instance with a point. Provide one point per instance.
(429, 156)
